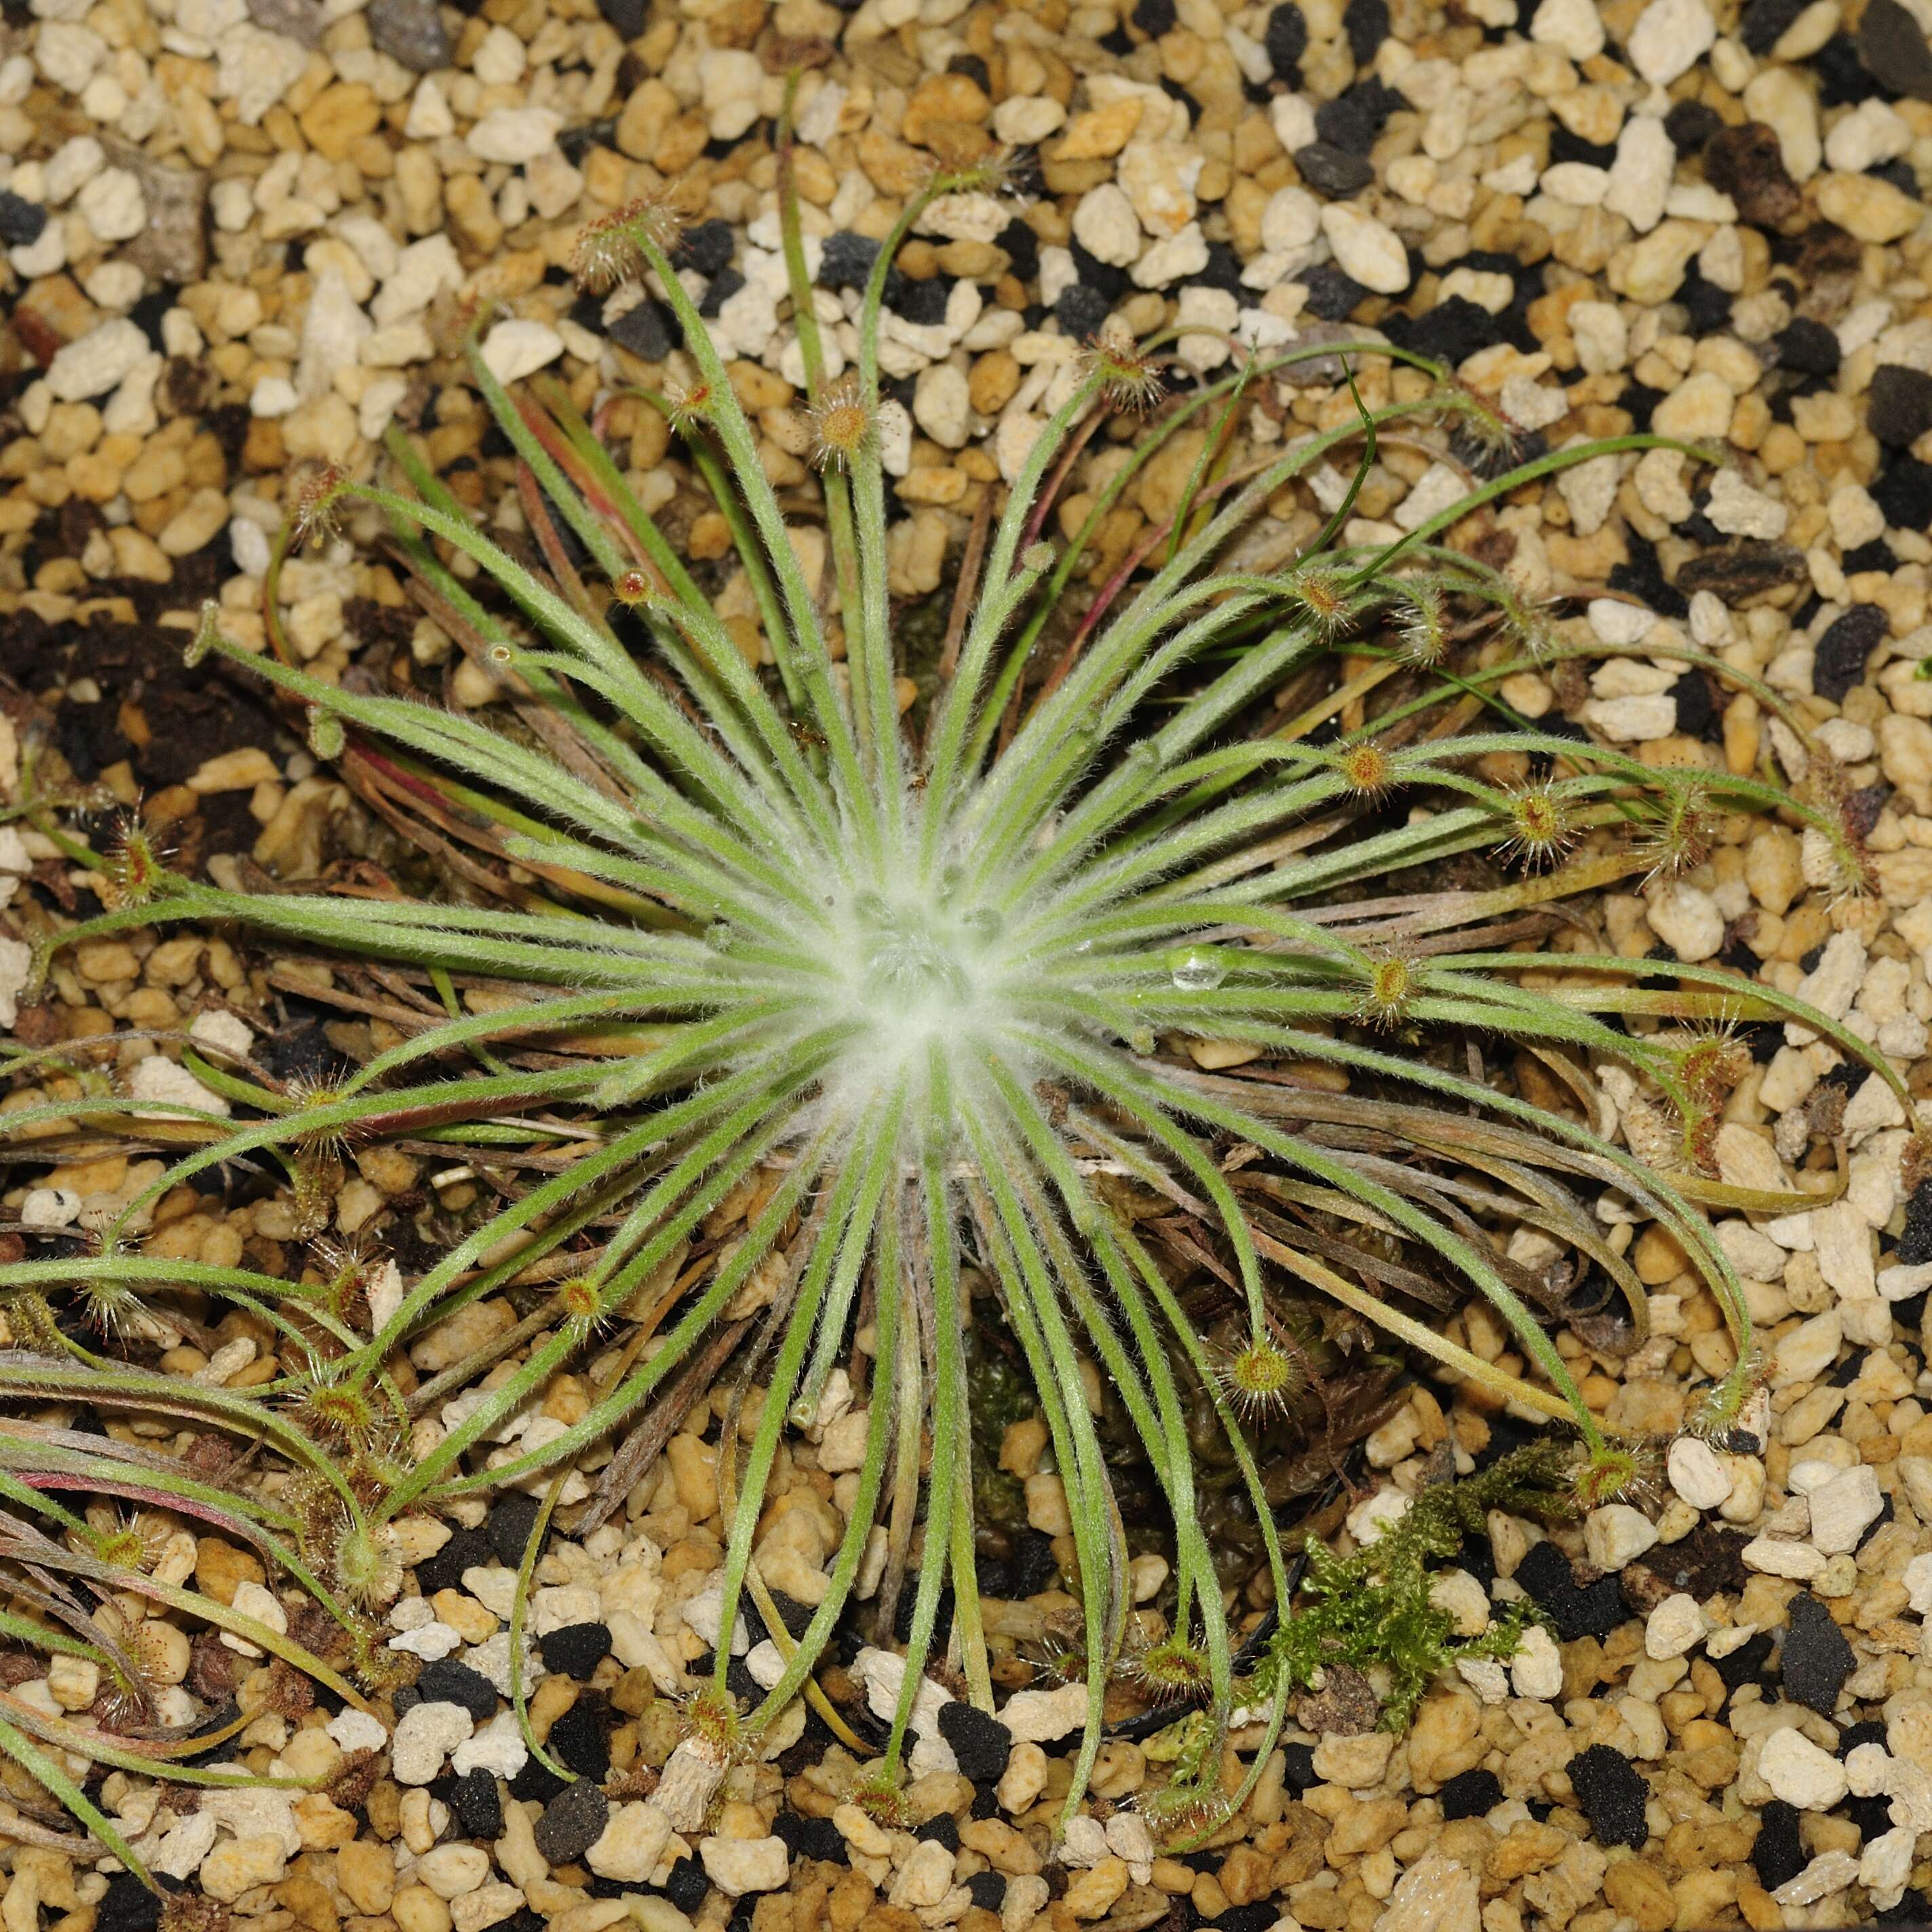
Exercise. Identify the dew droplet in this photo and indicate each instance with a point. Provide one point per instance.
(1195, 972)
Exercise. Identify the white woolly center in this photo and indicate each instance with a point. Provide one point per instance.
(918, 973)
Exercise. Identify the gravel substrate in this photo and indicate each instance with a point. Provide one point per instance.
(243, 234)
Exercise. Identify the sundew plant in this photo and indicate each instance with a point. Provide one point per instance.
(930, 969)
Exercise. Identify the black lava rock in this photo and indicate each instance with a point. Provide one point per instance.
(1333, 171)
(989, 1890)
(1155, 17)
(1891, 47)
(573, 1821)
(811, 1838)
(1469, 1794)
(687, 1885)
(1594, 1611)
(1452, 330)
(1366, 24)
(479, 1806)
(650, 331)
(1708, 306)
(1807, 348)
(1817, 1659)
(447, 1681)
(1080, 311)
(1690, 124)
(513, 1515)
(467, 1549)
(1903, 491)
(1613, 1796)
(1334, 294)
(1255, 1918)
(626, 18)
(1299, 1769)
(846, 260)
(1900, 411)
(1746, 1664)
(1876, 555)
(724, 286)
(1778, 1855)
(578, 1742)
(923, 303)
(943, 1830)
(22, 223)
(706, 247)
(1695, 712)
(1765, 23)
(1839, 660)
(1915, 1245)
(575, 1649)
(536, 1781)
(128, 1905)
(979, 1741)
(1643, 577)
(1286, 41)
(1353, 120)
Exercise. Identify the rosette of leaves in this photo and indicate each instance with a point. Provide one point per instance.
(924, 971)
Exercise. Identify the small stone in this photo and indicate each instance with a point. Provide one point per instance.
(426, 1733)
(1867, 207)
(1357, 1763)
(1829, 1872)
(1437, 1894)
(631, 1843)
(1844, 1508)
(736, 1866)
(572, 1822)
(1777, 1556)
(1333, 171)
(1885, 1866)
(411, 33)
(1574, 26)
(1105, 225)
(1040, 1716)
(1686, 919)
(1367, 252)
(1536, 1670)
(1613, 1795)
(1696, 1474)
(1617, 1534)
(1816, 1658)
(1677, 1624)
(1699, 409)
(94, 363)
(925, 1877)
(515, 135)
(1799, 1773)
(1669, 37)
(1739, 510)
(514, 349)
(497, 1749)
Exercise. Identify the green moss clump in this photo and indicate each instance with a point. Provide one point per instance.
(1372, 1608)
